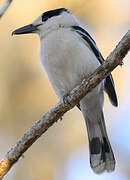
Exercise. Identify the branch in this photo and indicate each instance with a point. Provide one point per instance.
(5, 7)
(112, 61)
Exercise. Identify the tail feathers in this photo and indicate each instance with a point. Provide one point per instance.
(101, 154)
(97, 161)
(109, 156)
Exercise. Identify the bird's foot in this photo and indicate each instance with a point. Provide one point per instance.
(65, 99)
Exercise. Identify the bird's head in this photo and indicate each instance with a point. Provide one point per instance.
(48, 21)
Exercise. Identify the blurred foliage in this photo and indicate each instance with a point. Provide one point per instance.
(26, 93)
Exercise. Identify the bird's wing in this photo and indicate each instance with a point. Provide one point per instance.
(108, 83)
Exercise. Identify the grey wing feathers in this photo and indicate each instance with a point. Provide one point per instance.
(109, 83)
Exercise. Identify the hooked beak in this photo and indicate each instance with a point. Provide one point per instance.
(25, 30)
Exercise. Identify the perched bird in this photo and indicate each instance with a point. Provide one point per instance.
(69, 54)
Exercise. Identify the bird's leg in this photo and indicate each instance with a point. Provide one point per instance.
(65, 99)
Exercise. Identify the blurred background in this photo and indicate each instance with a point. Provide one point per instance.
(26, 94)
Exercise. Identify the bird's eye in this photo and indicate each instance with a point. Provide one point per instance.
(44, 18)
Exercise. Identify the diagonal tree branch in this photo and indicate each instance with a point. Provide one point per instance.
(112, 61)
(5, 7)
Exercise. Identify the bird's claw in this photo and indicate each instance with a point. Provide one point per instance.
(65, 99)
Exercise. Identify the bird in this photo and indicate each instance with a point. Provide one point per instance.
(69, 54)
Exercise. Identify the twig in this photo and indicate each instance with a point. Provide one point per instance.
(113, 60)
(5, 7)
